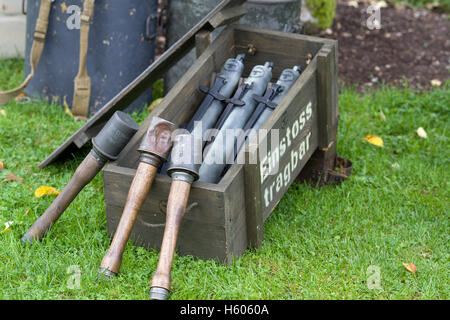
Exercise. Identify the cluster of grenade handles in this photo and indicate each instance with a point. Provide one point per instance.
(155, 147)
(184, 166)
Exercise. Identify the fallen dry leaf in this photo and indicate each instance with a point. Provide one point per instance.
(7, 227)
(66, 108)
(421, 132)
(436, 82)
(1, 166)
(45, 190)
(12, 177)
(154, 104)
(63, 7)
(346, 34)
(381, 4)
(375, 140)
(3, 112)
(22, 97)
(382, 115)
(411, 267)
(27, 212)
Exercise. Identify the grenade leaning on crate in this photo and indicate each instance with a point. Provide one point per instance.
(185, 161)
(106, 146)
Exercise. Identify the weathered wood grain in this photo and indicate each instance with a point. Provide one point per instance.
(137, 193)
(284, 49)
(253, 203)
(327, 104)
(176, 207)
(202, 41)
(235, 217)
(227, 16)
(208, 202)
(205, 241)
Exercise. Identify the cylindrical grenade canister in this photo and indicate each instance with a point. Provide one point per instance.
(286, 80)
(115, 135)
(186, 155)
(231, 73)
(107, 145)
(220, 149)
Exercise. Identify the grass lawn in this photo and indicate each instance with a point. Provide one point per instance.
(319, 243)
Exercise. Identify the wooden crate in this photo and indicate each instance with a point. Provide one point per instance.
(224, 219)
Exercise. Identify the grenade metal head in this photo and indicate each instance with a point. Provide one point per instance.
(157, 141)
(116, 133)
(260, 76)
(186, 155)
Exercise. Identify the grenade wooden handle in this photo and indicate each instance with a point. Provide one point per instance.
(85, 172)
(139, 190)
(176, 207)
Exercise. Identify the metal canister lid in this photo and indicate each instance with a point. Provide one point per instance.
(115, 135)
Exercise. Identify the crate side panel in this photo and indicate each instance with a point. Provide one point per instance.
(202, 232)
(296, 121)
(207, 205)
(235, 216)
(197, 239)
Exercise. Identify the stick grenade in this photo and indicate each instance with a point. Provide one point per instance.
(107, 145)
(184, 165)
(154, 149)
(218, 150)
(215, 100)
(267, 103)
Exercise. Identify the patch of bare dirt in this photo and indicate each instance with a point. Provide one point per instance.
(411, 44)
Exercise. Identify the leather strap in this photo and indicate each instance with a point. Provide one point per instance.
(82, 82)
(37, 47)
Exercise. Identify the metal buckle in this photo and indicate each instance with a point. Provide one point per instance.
(84, 18)
(39, 35)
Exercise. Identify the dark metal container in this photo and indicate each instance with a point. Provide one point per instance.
(279, 15)
(121, 46)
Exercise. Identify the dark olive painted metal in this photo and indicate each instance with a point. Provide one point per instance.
(186, 155)
(115, 135)
(111, 139)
